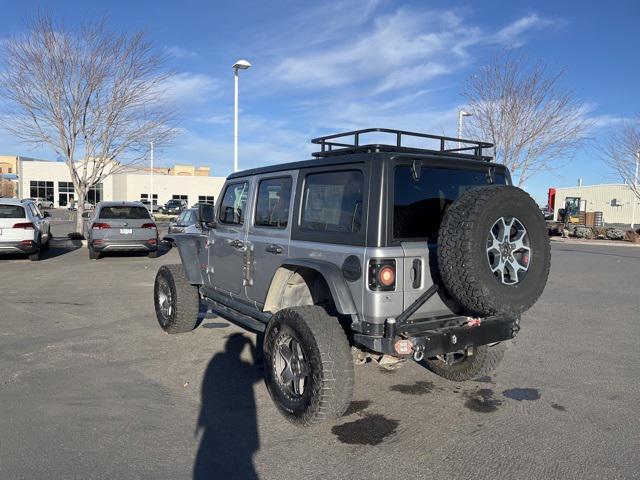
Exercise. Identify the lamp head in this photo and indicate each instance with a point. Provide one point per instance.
(241, 65)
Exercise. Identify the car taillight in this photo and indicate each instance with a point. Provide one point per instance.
(382, 274)
(100, 226)
(24, 225)
(149, 225)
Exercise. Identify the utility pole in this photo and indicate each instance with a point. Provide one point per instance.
(151, 188)
(634, 198)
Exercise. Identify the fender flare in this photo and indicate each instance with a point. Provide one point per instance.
(191, 246)
(334, 278)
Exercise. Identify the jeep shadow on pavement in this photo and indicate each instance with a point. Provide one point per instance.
(384, 251)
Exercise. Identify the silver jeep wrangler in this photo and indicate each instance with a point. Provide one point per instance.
(408, 249)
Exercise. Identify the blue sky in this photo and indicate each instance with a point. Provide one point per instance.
(322, 67)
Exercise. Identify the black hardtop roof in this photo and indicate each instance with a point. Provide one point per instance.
(344, 152)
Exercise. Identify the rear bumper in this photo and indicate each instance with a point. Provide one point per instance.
(433, 337)
(25, 246)
(148, 245)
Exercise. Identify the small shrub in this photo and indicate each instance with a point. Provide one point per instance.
(583, 232)
(631, 236)
(615, 234)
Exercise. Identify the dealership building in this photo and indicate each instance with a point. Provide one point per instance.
(52, 181)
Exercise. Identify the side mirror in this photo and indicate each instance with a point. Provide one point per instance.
(45, 215)
(86, 214)
(206, 214)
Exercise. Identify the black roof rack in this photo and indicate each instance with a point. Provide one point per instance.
(340, 144)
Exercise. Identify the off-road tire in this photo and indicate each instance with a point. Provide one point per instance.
(93, 255)
(329, 386)
(483, 362)
(462, 251)
(185, 300)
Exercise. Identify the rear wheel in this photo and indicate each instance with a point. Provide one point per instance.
(308, 365)
(177, 302)
(35, 256)
(467, 365)
(94, 255)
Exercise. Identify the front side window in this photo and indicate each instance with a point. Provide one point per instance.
(272, 206)
(234, 201)
(333, 202)
(419, 204)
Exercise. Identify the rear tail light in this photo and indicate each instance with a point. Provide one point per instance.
(26, 242)
(149, 225)
(382, 274)
(24, 225)
(100, 226)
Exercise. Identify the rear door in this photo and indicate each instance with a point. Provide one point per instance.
(269, 231)
(227, 245)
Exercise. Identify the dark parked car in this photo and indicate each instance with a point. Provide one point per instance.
(173, 207)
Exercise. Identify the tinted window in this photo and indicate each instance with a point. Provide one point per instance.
(419, 204)
(233, 205)
(333, 202)
(122, 212)
(272, 207)
(11, 211)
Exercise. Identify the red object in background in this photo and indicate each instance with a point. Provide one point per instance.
(551, 199)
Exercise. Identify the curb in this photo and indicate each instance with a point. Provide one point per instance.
(67, 242)
(604, 243)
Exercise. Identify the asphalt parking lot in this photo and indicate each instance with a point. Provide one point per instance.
(91, 388)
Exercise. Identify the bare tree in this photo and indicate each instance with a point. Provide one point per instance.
(94, 97)
(620, 152)
(520, 108)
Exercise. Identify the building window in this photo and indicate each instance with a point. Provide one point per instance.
(41, 189)
(94, 195)
(206, 199)
(10, 170)
(65, 193)
(181, 197)
(144, 198)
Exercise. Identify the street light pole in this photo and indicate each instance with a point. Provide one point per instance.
(634, 198)
(239, 65)
(151, 187)
(461, 115)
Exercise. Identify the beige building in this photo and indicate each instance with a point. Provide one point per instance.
(615, 201)
(52, 181)
(8, 164)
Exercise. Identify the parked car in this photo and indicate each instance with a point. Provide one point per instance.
(41, 202)
(146, 203)
(73, 206)
(23, 228)
(187, 222)
(121, 227)
(173, 207)
(197, 204)
(381, 252)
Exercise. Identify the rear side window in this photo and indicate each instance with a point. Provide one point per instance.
(272, 207)
(123, 212)
(11, 211)
(332, 202)
(234, 202)
(418, 205)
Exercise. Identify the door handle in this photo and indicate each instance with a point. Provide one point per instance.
(237, 244)
(276, 249)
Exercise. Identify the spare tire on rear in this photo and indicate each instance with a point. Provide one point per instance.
(494, 252)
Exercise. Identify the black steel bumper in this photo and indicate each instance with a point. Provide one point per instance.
(438, 336)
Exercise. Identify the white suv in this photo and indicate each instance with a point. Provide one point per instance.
(23, 228)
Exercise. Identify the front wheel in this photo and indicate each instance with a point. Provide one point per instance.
(308, 365)
(176, 301)
(467, 365)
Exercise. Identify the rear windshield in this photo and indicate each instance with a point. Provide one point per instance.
(130, 213)
(419, 204)
(11, 211)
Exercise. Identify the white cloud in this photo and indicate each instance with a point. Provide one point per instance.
(180, 53)
(189, 88)
(510, 34)
(409, 76)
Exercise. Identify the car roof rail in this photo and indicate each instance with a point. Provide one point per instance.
(351, 142)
